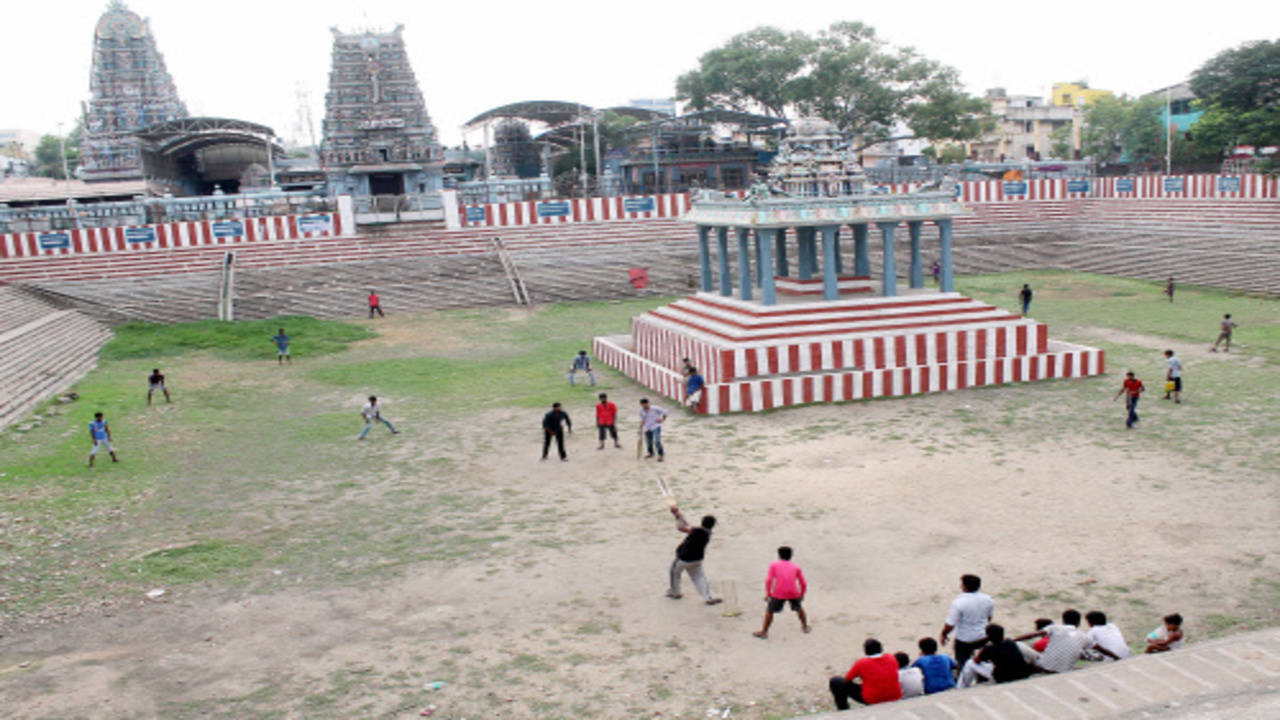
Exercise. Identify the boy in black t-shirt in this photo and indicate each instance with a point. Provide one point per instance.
(1006, 656)
(155, 381)
(689, 556)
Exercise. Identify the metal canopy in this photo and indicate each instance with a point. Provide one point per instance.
(187, 134)
(698, 120)
(551, 112)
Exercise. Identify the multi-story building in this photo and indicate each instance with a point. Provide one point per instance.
(1025, 126)
(130, 90)
(1177, 109)
(1076, 94)
(378, 138)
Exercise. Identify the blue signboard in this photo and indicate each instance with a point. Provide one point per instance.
(229, 228)
(1015, 188)
(641, 204)
(141, 234)
(475, 214)
(1077, 186)
(560, 208)
(54, 240)
(1124, 185)
(315, 223)
(1173, 185)
(1228, 184)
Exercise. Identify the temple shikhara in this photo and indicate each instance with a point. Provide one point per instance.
(767, 332)
(378, 138)
(131, 89)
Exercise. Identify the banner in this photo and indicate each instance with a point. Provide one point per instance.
(1228, 184)
(54, 240)
(140, 234)
(559, 208)
(1015, 188)
(475, 214)
(1077, 186)
(1173, 184)
(1124, 185)
(229, 228)
(315, 224)
(638, 205)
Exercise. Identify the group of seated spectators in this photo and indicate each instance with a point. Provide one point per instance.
(983, 652)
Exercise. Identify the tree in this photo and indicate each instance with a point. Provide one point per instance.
(1239, 91)
(1116, 127)
(1061, 138)
(755, 69)
(48, 160)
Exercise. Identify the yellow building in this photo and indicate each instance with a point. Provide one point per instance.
(1076, 94)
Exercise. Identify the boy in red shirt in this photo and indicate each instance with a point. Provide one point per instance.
(606, 419)
(1132, 388)
(784, 584)
(375, 304)
(879, 674)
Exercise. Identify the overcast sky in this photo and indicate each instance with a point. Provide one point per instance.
(247, 59)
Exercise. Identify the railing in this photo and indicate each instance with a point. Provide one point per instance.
(151, 211)
(398, 208)
(481, 192)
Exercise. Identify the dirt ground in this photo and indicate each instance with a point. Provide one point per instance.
(561, 612)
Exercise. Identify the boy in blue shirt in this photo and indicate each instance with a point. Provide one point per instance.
(282, 348)
(938, 669)
(100, 434)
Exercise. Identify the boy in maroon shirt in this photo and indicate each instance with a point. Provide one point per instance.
(784, 584)
(879, 675)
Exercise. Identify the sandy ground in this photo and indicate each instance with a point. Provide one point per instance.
(885, 503)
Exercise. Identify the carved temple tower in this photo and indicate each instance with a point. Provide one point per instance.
(378, 138)
(130, 88)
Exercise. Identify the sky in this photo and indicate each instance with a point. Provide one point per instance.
(254, 59)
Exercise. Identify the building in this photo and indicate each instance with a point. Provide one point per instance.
(1076, 94)
(130, 89)
(721, 149)
(1178, 109)
(1025, 127)
(378, 138)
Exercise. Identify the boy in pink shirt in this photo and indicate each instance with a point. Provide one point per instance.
(784, 584)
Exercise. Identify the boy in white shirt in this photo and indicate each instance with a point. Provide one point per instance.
(372, 413)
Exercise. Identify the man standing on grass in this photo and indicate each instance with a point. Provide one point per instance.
(1131, 389)
(282, 347)
(1168, 288)
(1024, 295)
(551, 428)
(1224, 334)
(606, 421)
(689, 555)
(784, 584)
(155, 381)
(100, 434)
(372, 413)
(968, 617)
(651, 419)
(583, 363)
(1172, 374)
(375, 304)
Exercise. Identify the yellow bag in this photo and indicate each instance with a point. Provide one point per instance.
(1169, 386)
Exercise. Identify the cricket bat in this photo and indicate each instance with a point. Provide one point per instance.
(665, 489)
(639, 444)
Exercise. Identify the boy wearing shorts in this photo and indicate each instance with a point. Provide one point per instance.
(155, 381)
(784, 584)
(100, 434)
(282, 348)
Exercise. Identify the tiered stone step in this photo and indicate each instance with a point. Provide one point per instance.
(812, 287)
(755, 357)
(46, 356)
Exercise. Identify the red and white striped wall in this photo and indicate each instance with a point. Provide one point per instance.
(573, 210)
(90, 241)
(1061, 360)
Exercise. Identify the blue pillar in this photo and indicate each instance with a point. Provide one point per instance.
(889, 282)
(839, 262)
(744, 263)
(768, 294)
(760, 266)
(948, 280)
(704, 257)
(917, 270)
(722, 255)
(861, 255)
(802, 252)
(830, 290)
(780, 250)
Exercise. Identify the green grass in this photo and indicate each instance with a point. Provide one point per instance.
(189, 563)
(248, 340)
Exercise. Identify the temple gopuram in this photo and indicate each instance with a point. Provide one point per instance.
(378, 138)
(131, 89)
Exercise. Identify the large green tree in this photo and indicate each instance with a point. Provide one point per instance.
(48, 153)
(1239, 90)
(1122, 127)
(845, 75)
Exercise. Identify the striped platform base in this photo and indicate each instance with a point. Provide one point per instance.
(757, 358)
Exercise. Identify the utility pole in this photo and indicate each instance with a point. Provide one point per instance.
(66, 177)
(595, 132)
(1168, 130)
(582, 150)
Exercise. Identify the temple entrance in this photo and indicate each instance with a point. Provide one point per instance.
(386, 184)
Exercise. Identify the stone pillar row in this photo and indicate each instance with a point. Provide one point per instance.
(770, 247)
